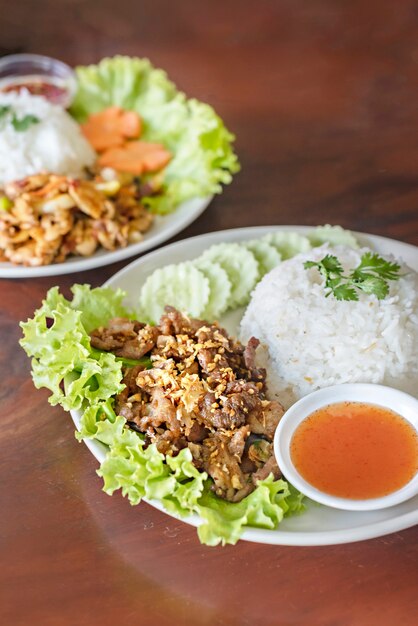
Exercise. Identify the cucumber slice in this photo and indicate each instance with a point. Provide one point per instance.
(335, 235)
(288, 243)
(240, 266)
(182, 286)
(219, 288)
(266, 255)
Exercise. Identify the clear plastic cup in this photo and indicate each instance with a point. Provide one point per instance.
(40, 75)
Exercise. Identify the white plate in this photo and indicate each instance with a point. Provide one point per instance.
(318, 525)
(163, 228)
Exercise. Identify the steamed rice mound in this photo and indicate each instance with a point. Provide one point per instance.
(54, 144)
(309, 341)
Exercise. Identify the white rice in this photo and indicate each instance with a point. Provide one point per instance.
(309, 341)
(55, 144)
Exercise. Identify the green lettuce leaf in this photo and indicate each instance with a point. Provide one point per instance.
(201, 146)
(99, 305)
(91, 418)
(265, 507)
(141, 471)
(57, 339)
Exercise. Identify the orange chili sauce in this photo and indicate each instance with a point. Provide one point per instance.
(355, 450)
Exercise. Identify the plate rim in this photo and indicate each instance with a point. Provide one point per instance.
(259, 535)
(186, 215)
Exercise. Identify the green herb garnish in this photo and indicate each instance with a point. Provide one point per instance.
(370, 276)
(24, 122)
(4, 109)
(19, 124)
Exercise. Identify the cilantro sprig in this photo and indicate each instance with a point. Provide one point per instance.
(20, 124)
(23, 123)
(4, 109)
(371, 276)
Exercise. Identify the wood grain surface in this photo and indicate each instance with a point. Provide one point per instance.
(322, 95)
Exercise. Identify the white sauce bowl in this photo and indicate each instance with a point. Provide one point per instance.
(397, 401)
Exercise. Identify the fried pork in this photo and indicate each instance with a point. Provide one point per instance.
(203, 392)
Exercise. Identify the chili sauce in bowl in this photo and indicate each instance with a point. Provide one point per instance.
(355, 450)
(40, 76)
(351, 446)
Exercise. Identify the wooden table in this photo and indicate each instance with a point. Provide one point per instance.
(322, 96)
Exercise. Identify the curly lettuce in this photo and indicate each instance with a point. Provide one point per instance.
(140, 471)
(203, 157)
(81, 377)
(57, 340)
(265, 507)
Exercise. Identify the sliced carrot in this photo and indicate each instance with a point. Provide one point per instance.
(109, 128)
(102, 140)
(153, 155)
(101, 129)
(136, 157)
(130, 124)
